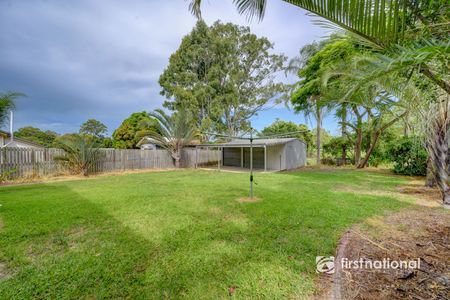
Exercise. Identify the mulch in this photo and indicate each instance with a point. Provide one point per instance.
(419, 233)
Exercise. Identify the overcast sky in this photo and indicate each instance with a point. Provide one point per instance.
(101, 59)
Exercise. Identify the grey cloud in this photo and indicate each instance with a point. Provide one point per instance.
(101, 59)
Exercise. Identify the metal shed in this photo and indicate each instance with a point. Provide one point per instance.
(268, 154)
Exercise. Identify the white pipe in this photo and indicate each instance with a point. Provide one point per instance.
(11, 126)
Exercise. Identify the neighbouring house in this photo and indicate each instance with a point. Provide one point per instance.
(147, 143)
(6, 141)
(268, 154)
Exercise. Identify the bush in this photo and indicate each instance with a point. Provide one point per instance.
(409, 156)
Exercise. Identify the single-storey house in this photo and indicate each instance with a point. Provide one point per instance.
(148, 143)
(6, 141)
(268, 154)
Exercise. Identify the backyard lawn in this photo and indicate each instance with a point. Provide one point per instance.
(180, 234)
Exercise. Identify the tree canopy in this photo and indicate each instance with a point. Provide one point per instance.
(285, 127)
(36, 135)
(94, 128)
(132, 129)
(223, 75)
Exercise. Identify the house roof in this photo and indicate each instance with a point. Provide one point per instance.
(21, 140)
(256, 142)
(149, 140)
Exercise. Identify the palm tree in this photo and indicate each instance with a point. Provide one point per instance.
(7, 104)
(386, 25)
(81, 153)
(174, 132)
(436, 131)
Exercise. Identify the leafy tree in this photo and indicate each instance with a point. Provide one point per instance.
(308, 94)
(81, 153)
(223, 75)
(334, 147)
(174, 132)
(409, 156)
(36, 135)
(7, 104)
(132, 129)
(94, 128)
(285, 127)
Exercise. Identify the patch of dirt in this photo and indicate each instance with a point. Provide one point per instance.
(5, 273)
(414, 191)
(248, 200)
(68, 177)
(408, 235)
(425, 195)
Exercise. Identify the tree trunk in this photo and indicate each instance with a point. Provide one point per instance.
(319, 122)
(430, 180)
(358, 130)
(177, 157)
(376, 136)
(438, 152)
(370, 150)
(358, 145)
(177, 162)
(85, 171)
(344, 133)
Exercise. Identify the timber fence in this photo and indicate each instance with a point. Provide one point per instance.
(23, 162)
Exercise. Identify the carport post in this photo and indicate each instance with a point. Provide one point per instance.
(265, 158)
(220, 158)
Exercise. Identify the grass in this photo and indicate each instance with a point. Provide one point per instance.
(179, 234)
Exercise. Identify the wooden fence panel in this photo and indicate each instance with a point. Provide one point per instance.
(27, 162)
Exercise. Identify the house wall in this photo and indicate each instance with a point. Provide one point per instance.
(295, 154)
(2, 140)
(276, 159)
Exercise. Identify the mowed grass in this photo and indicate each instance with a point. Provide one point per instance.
(179, 234)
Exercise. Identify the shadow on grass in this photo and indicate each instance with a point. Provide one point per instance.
(56, 244)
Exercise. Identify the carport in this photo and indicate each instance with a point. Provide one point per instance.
(268, 154)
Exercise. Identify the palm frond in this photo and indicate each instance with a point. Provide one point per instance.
(382, 22)
(7, 103)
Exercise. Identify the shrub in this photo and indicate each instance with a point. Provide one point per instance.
(81, 153)
(409, 156)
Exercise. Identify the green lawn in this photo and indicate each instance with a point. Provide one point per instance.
(179, 234)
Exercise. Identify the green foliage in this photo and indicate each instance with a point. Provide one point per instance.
(107, 142)
(132, 129)
(94, 128)
(335, 144)
(409, 156)
(317, 61)
(280, 127)
(7, 104)
(81, 153)
(36, 135)
(223, 75)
